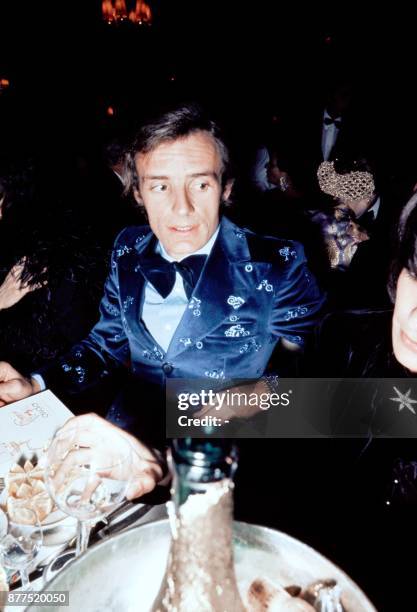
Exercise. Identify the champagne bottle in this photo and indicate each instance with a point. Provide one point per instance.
(200, 574)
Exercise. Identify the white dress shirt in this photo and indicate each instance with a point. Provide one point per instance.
(329, 135)
(162, 315)
(374, 208)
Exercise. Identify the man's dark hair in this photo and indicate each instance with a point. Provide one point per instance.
(406, 256)
(177, 123)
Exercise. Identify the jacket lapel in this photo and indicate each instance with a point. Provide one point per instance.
(132, 288)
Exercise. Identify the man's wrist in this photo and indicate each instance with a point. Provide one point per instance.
(270, 382)
(36, 383)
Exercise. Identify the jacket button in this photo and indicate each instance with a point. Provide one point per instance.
(167, 368)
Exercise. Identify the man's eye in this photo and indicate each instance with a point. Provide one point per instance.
(159, 188)
(201, 186)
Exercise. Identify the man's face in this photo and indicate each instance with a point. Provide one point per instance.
(180, 187)
(404, 321)
(359, 207)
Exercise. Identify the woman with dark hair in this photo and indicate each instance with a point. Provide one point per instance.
(370, 483)
(402, 288)
(51, 272)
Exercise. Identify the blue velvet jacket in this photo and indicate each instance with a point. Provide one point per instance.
(252, 291)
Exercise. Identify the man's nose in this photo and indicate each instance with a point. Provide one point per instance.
(183, 204)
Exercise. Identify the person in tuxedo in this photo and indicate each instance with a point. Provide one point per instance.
(335, 118)
(192, 295)
(314, 133)
(329, 128)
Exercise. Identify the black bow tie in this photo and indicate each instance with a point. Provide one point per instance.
(330, 120)
(161, 273)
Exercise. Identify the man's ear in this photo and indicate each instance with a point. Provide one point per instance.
(228, 190)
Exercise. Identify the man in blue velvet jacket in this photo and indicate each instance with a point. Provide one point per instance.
(191, 295)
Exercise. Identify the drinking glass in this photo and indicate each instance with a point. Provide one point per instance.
(22, 543)
(87, 476)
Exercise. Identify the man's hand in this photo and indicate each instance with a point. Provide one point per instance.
(89, 431)
(14, 386)
(12, 290)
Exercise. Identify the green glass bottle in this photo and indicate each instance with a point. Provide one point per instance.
(200, 575)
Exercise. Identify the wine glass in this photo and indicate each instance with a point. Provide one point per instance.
(87, 475)
(22, 543)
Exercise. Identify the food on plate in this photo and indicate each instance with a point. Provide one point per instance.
(265, 596)
(26, 490)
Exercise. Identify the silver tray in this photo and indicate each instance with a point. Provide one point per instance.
(124, 572)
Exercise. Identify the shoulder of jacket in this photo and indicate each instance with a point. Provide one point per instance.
(271, 249)
(130, 236)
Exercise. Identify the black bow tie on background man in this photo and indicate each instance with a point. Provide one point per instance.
(161, 272)
(329, 120)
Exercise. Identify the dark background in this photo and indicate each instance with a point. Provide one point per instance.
(246, 61)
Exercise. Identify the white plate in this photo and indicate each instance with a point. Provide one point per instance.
(54, 518)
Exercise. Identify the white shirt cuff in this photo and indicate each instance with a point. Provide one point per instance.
(39, 380)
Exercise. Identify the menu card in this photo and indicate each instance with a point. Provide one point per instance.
(27, 426)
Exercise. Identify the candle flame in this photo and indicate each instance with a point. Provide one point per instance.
(114, 11)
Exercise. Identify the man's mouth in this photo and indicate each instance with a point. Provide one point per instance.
(182, 228)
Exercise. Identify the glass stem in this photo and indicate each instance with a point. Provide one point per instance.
(24, 579)
(83, 535)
